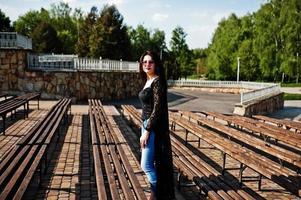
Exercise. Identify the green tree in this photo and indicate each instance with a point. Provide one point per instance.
(268, 40)
(4, 22)
(158, 43)
(66, 24)
(183, 65)
(200, 58)
(46, 40)
(222, 58)
(85, 30)
(26, 23)
(109, 38)
(140, 41)
(290, 17)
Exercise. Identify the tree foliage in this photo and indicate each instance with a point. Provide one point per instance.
(85, 30)
(267, 42)
(26, 23)
(181, 54)
(109, 38)
(4, 22)
(46, 39)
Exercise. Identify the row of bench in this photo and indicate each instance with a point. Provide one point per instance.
(11, 105)
(209, 180)
(287, 124)
(28, 160)
(219, 136)
(265, 130)
(115, 178)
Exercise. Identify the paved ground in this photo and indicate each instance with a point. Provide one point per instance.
(193, 100)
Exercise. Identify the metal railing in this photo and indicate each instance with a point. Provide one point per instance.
(72, 62)
(259, 90)
(14, 40)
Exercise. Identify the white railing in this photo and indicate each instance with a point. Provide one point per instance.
(72, 62)
(88, 64)
(259, 90)
(202, 83)
(260, 93)
(14, 40)
(50, 62)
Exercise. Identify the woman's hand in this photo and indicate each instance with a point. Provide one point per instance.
(143, 139)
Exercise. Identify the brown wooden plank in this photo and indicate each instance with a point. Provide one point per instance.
(272, 149)
(8, 188)
(106, 159)
(244, 156)
(132, 177)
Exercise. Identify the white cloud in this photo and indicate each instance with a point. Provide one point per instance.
(158, 5)
(115, 2)
(202, 26)
(69, 1)
(159, 17)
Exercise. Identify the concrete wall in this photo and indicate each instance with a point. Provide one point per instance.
(15, 79)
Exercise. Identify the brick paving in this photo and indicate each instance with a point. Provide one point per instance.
(70, 174)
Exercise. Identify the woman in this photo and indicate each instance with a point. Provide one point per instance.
(156, 156)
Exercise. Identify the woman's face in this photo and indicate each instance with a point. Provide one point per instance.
(148, 65)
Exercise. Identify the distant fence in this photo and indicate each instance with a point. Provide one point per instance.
(14, 40)
(259, 90)
(73, 62)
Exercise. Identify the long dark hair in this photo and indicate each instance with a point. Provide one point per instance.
(159, 69)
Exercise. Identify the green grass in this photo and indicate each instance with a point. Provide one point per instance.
(194, 76)
(290, 84)
(292, 96)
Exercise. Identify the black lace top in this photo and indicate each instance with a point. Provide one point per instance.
(154, 104)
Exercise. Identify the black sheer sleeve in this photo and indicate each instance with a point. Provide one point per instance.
(158, 95)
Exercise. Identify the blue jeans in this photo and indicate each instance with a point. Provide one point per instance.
(148, 157)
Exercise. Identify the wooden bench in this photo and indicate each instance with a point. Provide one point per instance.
(207, 178)
(30, 157)
(265, 130)
(13, 104)
(287, 124)
(30, 96)
(262, 165)
(248, 140)
(109, 155)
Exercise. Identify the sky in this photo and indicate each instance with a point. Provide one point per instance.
(198, 18)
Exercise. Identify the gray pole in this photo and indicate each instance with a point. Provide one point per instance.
(297, 80)
(238, 69)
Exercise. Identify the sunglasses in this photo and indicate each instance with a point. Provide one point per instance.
(148, 61)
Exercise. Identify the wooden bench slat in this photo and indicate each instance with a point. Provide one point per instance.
(108, 138)
(18, 174)
(294, 141)
(22, 188)
(26, 156)
(272, 149)
(280, 176)
(107, 163)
